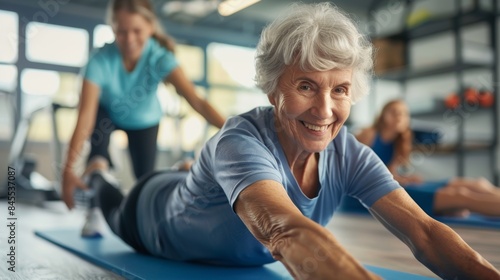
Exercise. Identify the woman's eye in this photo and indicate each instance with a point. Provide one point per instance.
(341, 91)
(305, 87)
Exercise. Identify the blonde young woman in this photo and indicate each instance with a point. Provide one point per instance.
(267, 183)
(391, 139)
(119, 92)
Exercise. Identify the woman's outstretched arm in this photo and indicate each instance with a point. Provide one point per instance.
(307, 250)
(434, 244)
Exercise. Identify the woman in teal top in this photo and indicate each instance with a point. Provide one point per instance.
(119, 92)
(391, 139)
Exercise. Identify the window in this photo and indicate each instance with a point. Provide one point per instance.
(182, 128)
(231, 65)
(8, 36)
(191, 60)
(9, 31)
(8, 78)
(71, 48)
(43, 86)
(39, 82)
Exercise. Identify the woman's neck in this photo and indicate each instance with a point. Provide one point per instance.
(388, 135)
(130, 63)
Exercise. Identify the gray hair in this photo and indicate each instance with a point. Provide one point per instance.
(317, 37)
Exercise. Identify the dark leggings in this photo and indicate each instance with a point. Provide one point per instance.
(141, 143)
(121, 212)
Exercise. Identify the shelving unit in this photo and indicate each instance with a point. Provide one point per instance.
(455, 24)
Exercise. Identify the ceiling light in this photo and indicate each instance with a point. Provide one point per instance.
(229, 7)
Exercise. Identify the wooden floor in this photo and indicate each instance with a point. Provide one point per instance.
(365, 238)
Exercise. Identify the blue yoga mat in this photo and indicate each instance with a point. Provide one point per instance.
(472, 220)
(113, 254)
(351, 205)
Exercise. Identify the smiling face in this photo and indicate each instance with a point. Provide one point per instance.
(132, 31)
(311, 108)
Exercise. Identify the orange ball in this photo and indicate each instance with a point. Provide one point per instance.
(452, 101)
(486, 98)
(471, 96)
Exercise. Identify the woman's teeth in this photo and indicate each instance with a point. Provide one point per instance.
(315, 127)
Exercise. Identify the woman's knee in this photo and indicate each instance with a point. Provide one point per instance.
(451, 198)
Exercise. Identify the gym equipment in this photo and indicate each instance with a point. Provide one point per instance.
(486, 98)
(31, 186)
(452, 101)
(113, 254)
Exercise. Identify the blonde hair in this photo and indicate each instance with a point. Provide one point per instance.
(318, 37)
(145, 9)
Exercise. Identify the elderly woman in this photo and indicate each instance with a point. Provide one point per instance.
(264, 186)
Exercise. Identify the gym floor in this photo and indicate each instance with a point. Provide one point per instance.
(365, 238)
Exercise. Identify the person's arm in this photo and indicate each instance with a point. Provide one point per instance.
(186, 89)
(87, 111)
(307, 250)
(434, 244)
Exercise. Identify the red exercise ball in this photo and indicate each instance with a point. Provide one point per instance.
(452, 101)
(486, 98)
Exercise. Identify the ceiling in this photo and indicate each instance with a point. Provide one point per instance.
(241, 28)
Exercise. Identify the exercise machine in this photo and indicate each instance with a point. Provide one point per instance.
(31, 186)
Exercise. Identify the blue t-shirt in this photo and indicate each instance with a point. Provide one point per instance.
(385, 150)
(130, 97)
(194, 219)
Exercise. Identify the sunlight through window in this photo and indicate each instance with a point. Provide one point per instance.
(8, 36)
(8, 77)
(39, 82)
(71, 48)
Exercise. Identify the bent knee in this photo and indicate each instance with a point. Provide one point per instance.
(451, 198)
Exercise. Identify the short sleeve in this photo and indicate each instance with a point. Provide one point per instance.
(369, 179)
(241, 159)
(94, 70)
(165, 62)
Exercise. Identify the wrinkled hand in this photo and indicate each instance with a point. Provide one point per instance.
(70, 181)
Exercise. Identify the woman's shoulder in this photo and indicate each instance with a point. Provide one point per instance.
(257, 117)
(256, 123)
(157, 50)
(106, 52)
(366, 135)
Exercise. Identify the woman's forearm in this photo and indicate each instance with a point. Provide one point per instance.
(450, 257)
(211, 115)
(308, 250)
(74, 149)
(87, 111)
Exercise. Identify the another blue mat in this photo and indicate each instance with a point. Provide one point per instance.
(351, 205)
(472, 220)
(111, 253)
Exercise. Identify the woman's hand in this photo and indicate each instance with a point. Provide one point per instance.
(70, 181)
